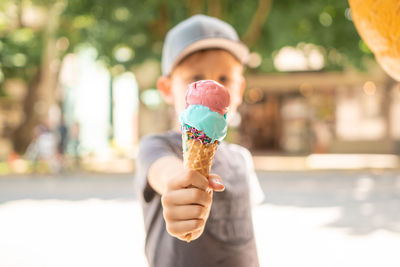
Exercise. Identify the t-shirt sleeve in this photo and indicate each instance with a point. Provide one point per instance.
(151, 148)
(256, 193)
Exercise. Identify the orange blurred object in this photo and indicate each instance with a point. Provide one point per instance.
(12, 157)
(378, 22)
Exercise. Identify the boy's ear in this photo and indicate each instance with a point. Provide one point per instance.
(165, 88)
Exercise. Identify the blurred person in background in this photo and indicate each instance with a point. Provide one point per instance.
(75, 144)
(43, 148)
(62, 131)
(199, 48)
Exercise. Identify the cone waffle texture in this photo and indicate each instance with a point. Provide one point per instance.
(198, 156)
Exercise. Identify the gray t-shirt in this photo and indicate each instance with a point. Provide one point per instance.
(228, 237)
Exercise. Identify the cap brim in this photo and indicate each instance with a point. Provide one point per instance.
(237, 49)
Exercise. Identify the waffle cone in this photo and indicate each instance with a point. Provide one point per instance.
(198, 156)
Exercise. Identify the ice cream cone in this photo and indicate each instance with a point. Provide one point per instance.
(204, 125)
(198, 157)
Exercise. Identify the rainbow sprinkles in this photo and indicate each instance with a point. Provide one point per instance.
(193, 133)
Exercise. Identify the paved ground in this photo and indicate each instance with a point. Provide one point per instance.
(307, 219)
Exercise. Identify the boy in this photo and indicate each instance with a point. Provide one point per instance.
(176, 201)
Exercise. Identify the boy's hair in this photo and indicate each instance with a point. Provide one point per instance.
(200, 52)
(198, 33)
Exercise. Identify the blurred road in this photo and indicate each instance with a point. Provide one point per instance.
(307, 219)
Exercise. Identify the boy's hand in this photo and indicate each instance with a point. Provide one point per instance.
(187, 202)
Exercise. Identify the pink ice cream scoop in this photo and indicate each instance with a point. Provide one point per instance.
(210, 94)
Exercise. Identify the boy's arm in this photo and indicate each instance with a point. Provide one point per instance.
(186, 198)
(161, 170)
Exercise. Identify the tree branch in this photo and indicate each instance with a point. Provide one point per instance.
(260, 16)
(214, 8)
(194, 6)
(159, 27)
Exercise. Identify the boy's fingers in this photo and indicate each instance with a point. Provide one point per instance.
(187, 196)
(193, 235)
(181, 228)
(215, 182)
(186, 212)
(190, 178)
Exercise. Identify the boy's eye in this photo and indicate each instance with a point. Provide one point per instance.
(197, 78)
(223, 79)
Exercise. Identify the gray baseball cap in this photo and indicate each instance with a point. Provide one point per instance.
(196, 33)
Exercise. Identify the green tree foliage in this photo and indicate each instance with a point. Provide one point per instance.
(20, 46)
(141, 26)
(326, 23)
(138, 27)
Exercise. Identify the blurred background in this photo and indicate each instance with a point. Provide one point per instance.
(77, 92)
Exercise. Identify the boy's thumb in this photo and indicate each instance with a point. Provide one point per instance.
(215, 183)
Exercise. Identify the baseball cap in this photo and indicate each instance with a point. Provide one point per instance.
(196, 33)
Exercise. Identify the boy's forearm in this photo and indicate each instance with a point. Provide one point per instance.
(162, 170)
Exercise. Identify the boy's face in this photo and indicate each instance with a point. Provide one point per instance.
(215, 64)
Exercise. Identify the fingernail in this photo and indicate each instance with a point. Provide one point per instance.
(218, 185)
(216, 181)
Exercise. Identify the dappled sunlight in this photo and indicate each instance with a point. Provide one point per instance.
(304, 235)
(61, 233)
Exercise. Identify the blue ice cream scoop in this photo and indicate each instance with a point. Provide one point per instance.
(212, 123)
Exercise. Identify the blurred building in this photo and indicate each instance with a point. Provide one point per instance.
(321, 112)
